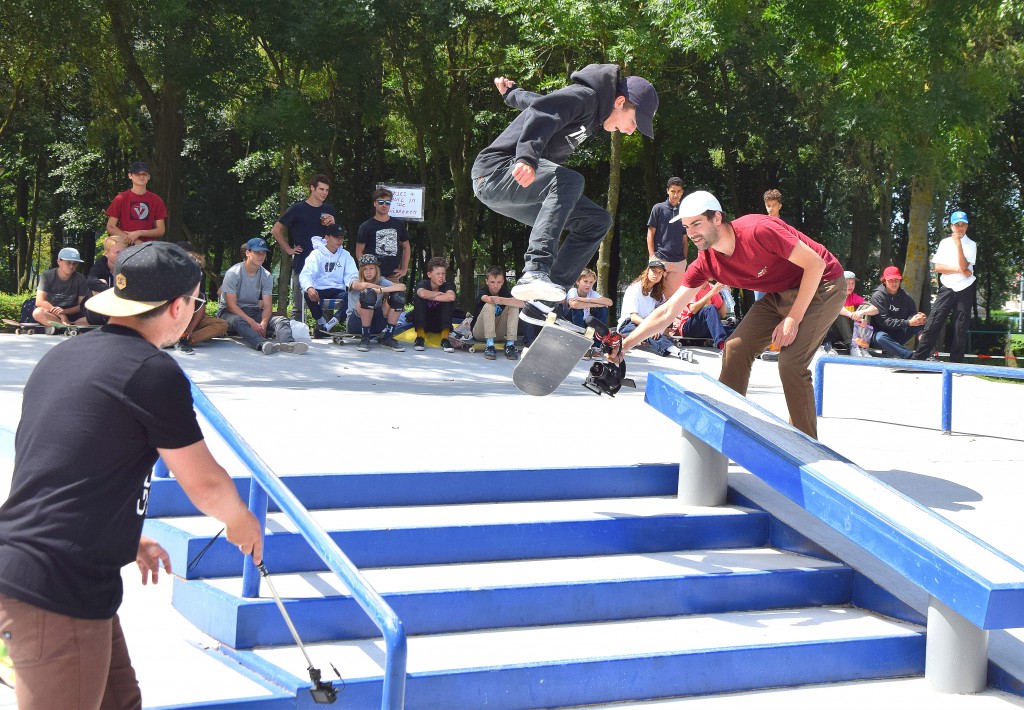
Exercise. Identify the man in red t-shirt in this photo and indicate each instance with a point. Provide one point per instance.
(137, 214)
(803, 286)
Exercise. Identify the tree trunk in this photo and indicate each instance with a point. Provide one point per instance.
(21, 240)
(884, 227)
(284, 278)
(860, 230)
(614, 188)
(915, 271)
(169, 127)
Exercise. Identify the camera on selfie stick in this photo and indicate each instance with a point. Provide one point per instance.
(606, 377)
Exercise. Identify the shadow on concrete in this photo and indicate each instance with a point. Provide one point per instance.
(930, 491)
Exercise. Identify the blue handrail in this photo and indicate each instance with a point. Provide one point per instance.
(948, 369)
(393, 697)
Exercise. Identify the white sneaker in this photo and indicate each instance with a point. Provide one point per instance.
(270, 347)
(537, 286)
(296, 347)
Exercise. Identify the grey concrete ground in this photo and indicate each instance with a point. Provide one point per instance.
(336, 409)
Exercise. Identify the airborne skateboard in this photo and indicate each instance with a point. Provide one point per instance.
(23, 328)
(555, 352)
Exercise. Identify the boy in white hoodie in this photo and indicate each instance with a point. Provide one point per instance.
(326, 274)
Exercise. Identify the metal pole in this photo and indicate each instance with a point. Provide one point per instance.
(703, 473)
(258, 506)
(947, 400)
(956, 654)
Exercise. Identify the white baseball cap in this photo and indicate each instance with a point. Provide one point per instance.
(697, 203)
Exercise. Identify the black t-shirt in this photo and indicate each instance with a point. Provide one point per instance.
(669, 237)
(425, 284)
(385, 240)
(303, 222)
(95, 409)
(100, 278)
(504, 292)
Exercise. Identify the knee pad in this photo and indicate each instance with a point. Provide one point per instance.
(396, 299)
(368, 298)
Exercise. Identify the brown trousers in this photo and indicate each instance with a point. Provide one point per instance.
(67, 663)
(754, 333)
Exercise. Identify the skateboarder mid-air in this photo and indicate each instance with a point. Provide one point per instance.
(520, 175)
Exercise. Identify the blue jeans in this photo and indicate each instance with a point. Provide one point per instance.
(554, 202)
(705, 323)
(659, 344)
(892, 343)
(279, 327)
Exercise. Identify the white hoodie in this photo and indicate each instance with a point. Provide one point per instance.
(324, 270)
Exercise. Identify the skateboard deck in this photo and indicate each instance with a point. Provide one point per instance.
(69, 330)
(554, 354)
(23, 328)
(461, 343)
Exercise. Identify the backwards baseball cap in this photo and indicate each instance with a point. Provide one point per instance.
(138, 167)
(891, 272)
(849, 275)
(697, 203)
(70, 254)
(367, 259)
(641, 93)
(147, 276)
(256, 244)
(656, 263)
(958, 216)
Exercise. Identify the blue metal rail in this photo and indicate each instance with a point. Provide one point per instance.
(948, 369)
(393, 697)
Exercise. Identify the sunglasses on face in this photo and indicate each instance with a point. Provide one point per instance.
(383, 202)
(197, 303)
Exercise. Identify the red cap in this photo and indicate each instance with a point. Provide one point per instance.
(891, 272)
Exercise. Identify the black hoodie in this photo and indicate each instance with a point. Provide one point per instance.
(893, 311)
(551, 126)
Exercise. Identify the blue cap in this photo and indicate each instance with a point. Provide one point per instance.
(256, 244)
(70, 254)
(958, 216)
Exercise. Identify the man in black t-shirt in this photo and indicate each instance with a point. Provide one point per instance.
(666, 240)
(385, 237)
(303, 221)
(84, 453)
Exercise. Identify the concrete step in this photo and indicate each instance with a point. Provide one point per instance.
(445, 598)
(553, 666)
(363, 490)
(417, 535)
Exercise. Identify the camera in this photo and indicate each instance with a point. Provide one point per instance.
(607, 378)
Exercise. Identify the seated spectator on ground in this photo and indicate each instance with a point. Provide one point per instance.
(374, 305)
(841, 331)
(101, 275)
(326, 273)
(583, 301)
(702, 317)
(433, 305)
(202, 326)
(61, 292)
(645, 294)
(897, 319)
(245, 303)
(497, 315)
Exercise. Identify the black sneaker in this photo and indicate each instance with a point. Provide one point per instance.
(364, 344)
(184, 347)
(490, 353)
(386, 341)
(419, 344)
(446, 346)
(319, 333)
(511, 352)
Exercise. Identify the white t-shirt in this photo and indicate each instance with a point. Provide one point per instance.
(946, 254)
(574, 293)
(633, 301)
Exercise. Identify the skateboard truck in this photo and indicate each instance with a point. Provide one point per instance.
(323, 692)
(606, 377)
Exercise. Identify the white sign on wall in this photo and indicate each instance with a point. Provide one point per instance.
(406, 201)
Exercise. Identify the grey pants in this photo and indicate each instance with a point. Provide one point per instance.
(279, 327)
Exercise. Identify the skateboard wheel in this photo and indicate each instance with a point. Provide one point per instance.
(337, 340)
(472, 348)
(71, 332)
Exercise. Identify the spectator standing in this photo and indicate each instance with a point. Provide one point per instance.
(954, 262)
(385, 237)
(303, 221)
(666, 240)
(137, 214)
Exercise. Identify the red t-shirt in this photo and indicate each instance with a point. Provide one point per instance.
(715, 301)
(760, 261)
(136, 212)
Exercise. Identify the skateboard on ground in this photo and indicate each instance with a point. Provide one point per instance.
(461, 342)
(554, 353)
(24, 328)
(68, 329)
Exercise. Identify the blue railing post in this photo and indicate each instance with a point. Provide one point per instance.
(819, 386)
(947, 401)
(258, 507)
(160, 469)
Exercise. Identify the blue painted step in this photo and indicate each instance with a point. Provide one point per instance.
(441, 599)
(451, 534)
(579, 664)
